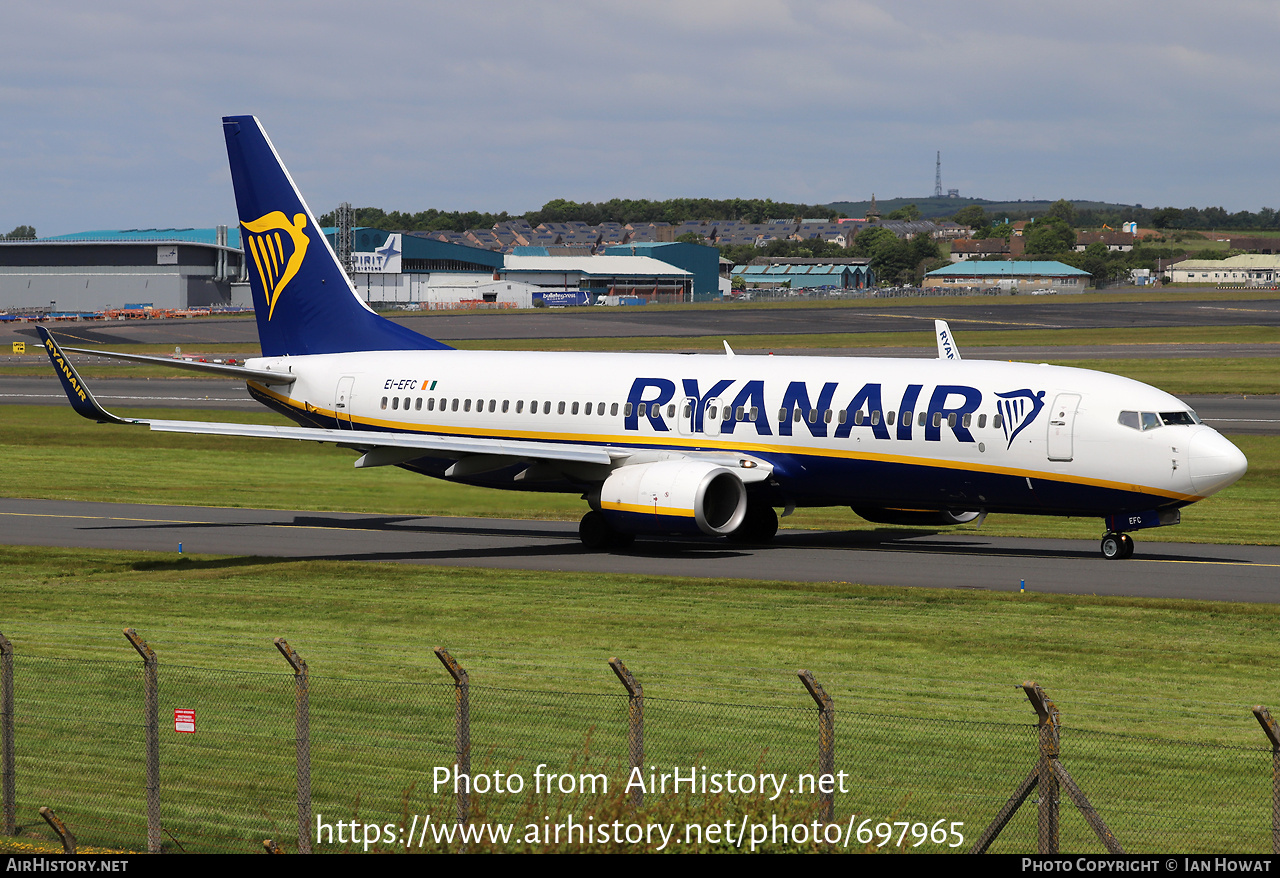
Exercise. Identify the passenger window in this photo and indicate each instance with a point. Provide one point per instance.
(922, 417)
(755, 413)
(384, 402)
(982, 421)
(783, 414)
(875, 417)
(968, 419)
(687, 410)
(395, 402)
(826, 416)
(493, 404)
(890, 418)
(575, 409)
(519, 406)
(626, 410)
(600, 409)
(797, 416)
(588, 411)
(857, 417)
(506, 404)
(641, 410)
(671, 410)
(466, 404)
(546, 407)
(813, 416)
(951, 419)
(613, 410)
(997, 421)
(844, 415)
(906, 418)
(431, 404)
(560, 408)
(742, 413)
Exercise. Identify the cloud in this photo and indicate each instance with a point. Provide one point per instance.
(112, 112)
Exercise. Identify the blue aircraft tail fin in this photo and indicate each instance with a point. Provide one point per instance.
(303, 301)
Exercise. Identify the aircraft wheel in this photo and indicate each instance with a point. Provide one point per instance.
(758, 526)
(596, 533)
(1127, 544)
(1113, 546)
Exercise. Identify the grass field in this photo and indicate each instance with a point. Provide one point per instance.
(927, 733)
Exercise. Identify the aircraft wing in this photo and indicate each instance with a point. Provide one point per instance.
(410, 444)
(382, 448)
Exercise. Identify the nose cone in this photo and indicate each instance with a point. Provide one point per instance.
(1214, 462)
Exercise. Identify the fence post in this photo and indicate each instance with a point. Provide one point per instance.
(1047, 813)
(301, 740)
(1272, 730)
(6, 732)
(635, 725)
(151, 720)
(826, 746)
(64, 834)
(1049, 774)
(462, 726)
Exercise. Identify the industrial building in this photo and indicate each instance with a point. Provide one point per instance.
(176, 269)
(839, 274)
(93, 271)
(1249, 269)
(419, 269)
(1013, 275)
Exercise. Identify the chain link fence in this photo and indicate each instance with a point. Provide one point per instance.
(236, 765)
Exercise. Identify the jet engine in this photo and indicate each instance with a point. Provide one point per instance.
(673, 496)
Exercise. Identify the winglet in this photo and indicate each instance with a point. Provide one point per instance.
(947, 349)
(81, 399)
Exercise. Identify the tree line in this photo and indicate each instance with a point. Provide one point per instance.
(616, 210)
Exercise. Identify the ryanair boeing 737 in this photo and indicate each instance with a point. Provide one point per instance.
(675, 444)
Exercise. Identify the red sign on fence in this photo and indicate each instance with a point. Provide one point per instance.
(184, 720)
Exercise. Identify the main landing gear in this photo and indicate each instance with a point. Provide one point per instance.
(758, 526)
(596, 534)
(1117, 546)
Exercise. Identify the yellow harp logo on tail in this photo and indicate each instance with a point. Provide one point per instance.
(277, 257)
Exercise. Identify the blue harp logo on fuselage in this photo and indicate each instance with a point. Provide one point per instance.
(1018, 408)
(278, 247)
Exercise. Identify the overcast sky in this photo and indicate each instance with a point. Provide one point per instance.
(111, 111)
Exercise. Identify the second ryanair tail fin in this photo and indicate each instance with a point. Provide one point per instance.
(302, 298)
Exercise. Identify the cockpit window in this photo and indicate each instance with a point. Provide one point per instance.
(1150, 420)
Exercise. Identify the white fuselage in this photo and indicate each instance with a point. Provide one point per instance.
(980, 435)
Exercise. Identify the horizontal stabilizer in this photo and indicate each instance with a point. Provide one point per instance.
(262, 376)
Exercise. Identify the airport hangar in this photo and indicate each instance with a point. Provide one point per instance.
(204, 268)
(95, 271)
(414, 269)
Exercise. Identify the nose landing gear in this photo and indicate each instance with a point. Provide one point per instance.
(1117, 546)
